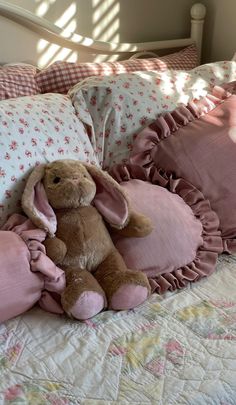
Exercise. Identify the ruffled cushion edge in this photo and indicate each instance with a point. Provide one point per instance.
(206, 256)
(168, 123)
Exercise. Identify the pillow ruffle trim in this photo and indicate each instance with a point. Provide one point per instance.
(206, 256)
(167, 124)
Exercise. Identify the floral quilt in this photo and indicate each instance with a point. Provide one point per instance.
(177, 349)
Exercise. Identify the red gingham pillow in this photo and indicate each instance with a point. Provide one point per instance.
(17, 81)
(61, 76)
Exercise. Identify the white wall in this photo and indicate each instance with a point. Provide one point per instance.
(108, 20)
(220, 30)
(139, 20)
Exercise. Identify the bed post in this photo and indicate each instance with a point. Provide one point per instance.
(198, 12)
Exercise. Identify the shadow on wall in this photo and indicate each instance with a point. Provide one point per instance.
(112, 21)
(102, 20)
(48, 53)
(220, 30)
(209, 27)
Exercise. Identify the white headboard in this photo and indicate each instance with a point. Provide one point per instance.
(27, 30)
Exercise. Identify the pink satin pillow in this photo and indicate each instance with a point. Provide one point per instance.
(198, 143)
(185, 242)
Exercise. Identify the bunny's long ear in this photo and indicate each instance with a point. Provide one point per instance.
(110, 199)
(35, 203)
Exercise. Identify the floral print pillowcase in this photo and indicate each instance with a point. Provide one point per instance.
(33, 130)
(117, 107)
(99, 127)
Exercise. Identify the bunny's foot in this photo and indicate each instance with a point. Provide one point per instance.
(132, 290)
(125, 289)
(83, 298)
(89, 304)
(128, 296)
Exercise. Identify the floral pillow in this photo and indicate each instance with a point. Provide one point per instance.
(116, 108)
(34, 130)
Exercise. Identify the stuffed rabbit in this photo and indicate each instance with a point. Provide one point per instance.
(68, 199)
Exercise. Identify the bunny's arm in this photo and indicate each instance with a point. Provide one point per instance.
(56, 249)
(138, 226)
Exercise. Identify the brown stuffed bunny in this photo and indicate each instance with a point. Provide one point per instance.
(67, 198)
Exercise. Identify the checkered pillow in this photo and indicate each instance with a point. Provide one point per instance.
(17, 80)
(61, 76)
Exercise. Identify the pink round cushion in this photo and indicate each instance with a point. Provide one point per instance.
(185, 242)
(176, 236)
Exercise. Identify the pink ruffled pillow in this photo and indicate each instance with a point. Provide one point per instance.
(198, 143)
(27, 275)
(185, 243)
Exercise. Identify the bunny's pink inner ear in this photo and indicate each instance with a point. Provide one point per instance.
(43, 210)
(35, 202)
(111, 203)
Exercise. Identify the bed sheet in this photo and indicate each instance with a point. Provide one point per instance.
(174, 349)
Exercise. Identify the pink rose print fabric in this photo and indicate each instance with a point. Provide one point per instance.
(33, 130)
(117, 107)
(99, 127)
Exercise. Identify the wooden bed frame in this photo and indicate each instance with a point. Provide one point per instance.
(22, 21)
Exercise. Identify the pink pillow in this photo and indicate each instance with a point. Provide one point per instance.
(198, 143)
(17, 81)
(61, 76)
(27, 274)
(185, 242)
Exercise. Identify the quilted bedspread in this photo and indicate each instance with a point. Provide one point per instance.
(175, 349)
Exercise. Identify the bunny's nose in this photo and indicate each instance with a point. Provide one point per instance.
(75, 180)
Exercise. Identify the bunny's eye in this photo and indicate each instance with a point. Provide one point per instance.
(56, 180)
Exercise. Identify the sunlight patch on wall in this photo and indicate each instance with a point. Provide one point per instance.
(49, 53)
(101, 8)
(106, 20)
(41, 45)
(68, 14)
(69, 29)
(54, 53)
(43, 7)
(106, 23)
